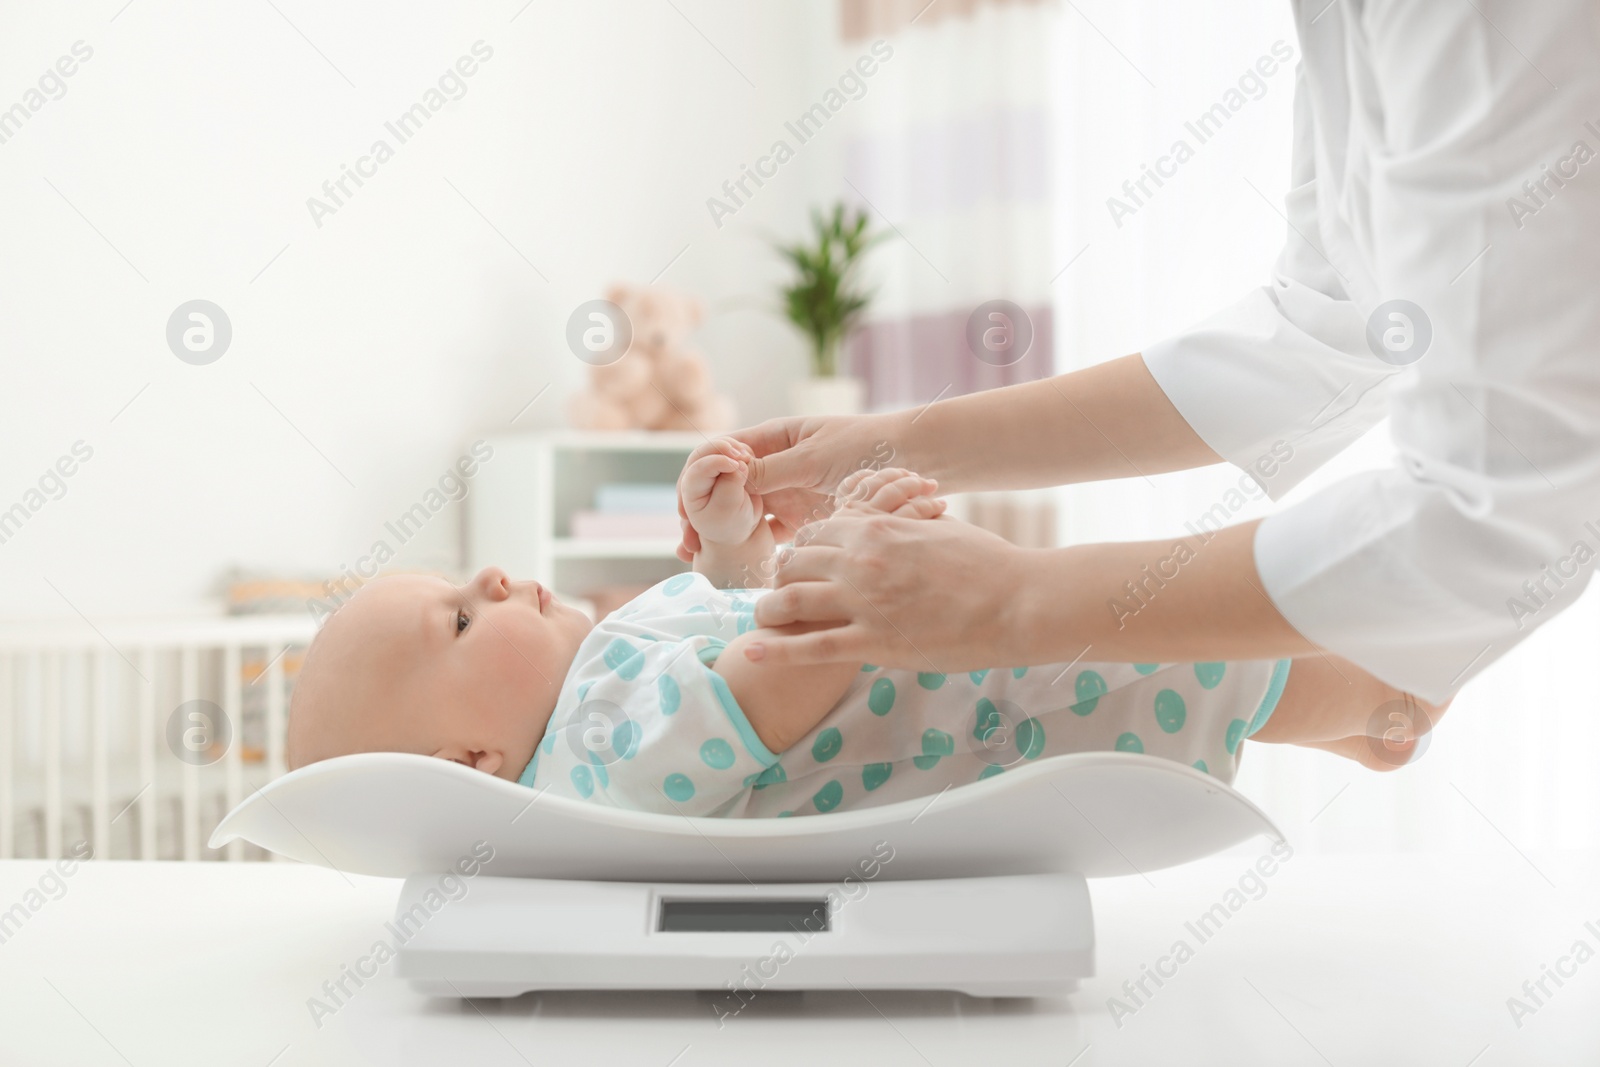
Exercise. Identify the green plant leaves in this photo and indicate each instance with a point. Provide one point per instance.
(823, 301)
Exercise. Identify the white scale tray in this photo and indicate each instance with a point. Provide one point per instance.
(983, 891)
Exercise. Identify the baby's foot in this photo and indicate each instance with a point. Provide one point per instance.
(1333, 705)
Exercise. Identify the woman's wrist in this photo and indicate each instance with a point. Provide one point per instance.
(897, 439)
(1031, 618)
(942, 440)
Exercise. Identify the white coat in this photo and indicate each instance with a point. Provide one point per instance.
(1446, 157)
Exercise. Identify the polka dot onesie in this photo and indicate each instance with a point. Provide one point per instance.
(643, 721)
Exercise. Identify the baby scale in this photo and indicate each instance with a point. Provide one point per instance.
(980, 889)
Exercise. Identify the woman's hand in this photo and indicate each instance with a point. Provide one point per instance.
(797, 464)
(933, 596)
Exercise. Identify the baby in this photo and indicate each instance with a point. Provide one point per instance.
(658, 708)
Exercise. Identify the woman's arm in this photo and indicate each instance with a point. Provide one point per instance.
(1107, 421)
(1110, 420)
(945, 596)
(1189, 598)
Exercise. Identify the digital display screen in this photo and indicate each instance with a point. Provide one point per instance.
(743, 916)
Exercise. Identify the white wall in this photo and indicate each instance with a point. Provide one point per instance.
(404, 326)
(1132, 75)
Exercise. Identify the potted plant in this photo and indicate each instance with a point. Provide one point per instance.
(824, 300)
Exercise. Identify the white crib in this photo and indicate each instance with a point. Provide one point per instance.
(84, 726)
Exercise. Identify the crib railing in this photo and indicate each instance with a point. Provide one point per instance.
(135, 738)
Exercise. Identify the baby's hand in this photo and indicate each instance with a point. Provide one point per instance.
(717, 500)
(892, 491)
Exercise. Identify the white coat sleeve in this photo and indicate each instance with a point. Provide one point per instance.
(1488, 524)
(1281, 381)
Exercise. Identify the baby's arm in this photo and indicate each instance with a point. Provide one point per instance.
(782, 702)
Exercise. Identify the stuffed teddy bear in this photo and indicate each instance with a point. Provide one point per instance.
(659, 383)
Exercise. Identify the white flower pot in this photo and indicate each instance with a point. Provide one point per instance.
(828, 396)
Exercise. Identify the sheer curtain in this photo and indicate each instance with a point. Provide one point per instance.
(1512, 766)
(949, 147)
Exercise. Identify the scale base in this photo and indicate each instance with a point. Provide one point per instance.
(507, 990)
(1008, 936)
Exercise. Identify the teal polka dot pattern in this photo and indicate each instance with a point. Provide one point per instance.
(936, 744)
(771, 776)
(625, 738)
(1170, 711)
(698, 609)
(744, 623)
(880, 700)
(623, 658)
(717, 754)
(677, 584)
(1089, 687)
(671, 695)
(989, 719)
(1030, 738)
(923, 728)
(827, 745)
(875, 774)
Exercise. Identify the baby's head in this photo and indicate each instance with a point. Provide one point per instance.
(410, 663)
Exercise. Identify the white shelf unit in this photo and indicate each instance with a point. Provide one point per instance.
(522, 501)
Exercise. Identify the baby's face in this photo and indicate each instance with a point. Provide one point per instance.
(414, 664)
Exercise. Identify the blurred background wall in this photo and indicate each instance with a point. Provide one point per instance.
(427, 310)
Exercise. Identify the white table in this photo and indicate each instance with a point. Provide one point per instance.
(1342, 960)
